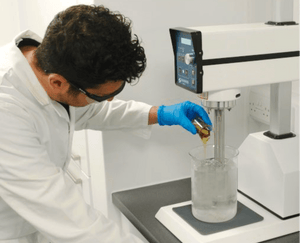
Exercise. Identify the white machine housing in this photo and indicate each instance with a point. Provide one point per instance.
(209, 58)
(269, 172)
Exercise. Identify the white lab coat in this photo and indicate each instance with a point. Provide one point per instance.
(38, 201)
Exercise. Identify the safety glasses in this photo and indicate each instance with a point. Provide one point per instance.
(99, 98)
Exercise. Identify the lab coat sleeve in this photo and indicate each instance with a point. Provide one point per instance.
(41, 193)
(129, 116)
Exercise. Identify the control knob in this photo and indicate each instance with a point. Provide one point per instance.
(189, 58)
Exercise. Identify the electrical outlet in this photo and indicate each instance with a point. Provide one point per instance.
(259, 107)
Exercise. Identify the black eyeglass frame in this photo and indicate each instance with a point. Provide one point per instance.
(99, 98)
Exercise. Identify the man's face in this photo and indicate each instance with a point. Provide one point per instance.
(82, 99)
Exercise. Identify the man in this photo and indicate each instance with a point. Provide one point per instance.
(48, 89)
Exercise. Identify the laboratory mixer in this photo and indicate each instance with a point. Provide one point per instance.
(215, 62)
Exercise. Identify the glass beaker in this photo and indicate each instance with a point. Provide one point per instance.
(214, 184)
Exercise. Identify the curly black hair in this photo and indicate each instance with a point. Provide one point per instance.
(90, 45)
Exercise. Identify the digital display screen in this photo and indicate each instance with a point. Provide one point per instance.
(186, 41)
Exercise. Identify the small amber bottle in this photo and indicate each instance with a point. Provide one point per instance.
(203, 129)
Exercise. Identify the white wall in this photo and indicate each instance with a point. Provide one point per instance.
(37, 14)
(19, 15)
(9, 20)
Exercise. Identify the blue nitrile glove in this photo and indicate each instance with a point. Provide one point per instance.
(182, 114)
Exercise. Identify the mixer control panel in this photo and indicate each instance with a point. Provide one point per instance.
(188, 57)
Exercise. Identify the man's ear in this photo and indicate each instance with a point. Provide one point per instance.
(58, 83)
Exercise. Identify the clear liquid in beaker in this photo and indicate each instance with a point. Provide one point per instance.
(214, 190)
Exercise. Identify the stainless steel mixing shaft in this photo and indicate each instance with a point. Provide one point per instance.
(219, 124)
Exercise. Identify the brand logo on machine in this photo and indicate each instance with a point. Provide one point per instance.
(183, 81)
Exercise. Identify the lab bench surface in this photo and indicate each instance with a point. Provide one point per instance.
(140, 206)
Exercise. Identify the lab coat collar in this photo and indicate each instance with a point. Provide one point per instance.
(21, 67)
